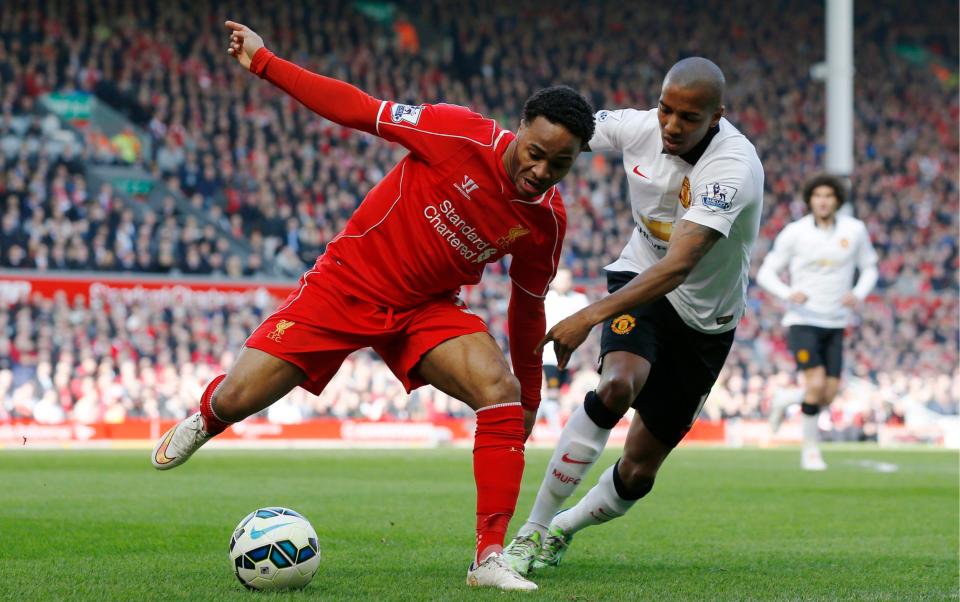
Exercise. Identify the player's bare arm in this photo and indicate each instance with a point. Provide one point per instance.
(689, 243)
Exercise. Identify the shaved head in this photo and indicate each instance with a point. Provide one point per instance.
(691, 103)
(699, 74)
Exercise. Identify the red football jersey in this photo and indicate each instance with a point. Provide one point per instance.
(444, 212)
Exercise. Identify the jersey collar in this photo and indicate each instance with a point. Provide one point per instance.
(694, 154)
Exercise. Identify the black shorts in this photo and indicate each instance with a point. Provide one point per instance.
(555, 377)
(813, 346)
(685, 363)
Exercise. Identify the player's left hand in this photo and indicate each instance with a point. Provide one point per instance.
(567, 335)
(244, 43)
(850, 300)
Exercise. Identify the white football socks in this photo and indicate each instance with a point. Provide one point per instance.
(811, 433)
(581, 443)
(601, 504)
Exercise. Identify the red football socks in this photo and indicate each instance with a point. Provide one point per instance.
(497, 469)
(212, 424)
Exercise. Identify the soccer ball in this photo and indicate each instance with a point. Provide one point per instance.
(274, 549)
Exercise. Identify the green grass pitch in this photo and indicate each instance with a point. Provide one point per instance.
(398, 525)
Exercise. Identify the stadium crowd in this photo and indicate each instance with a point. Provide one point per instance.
(150, 354)
(272, 173)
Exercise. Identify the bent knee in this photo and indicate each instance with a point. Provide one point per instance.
(231, 400)
(636, 480)
(816, 395)
(503, 388)
(618, 393)
(815, 380)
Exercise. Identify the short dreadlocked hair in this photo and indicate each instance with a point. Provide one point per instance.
(564, 106)
(839, 188)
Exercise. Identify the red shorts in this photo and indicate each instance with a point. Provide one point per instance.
(318, 326)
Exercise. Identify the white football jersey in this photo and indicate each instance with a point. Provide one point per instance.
(558, 307)
(723, 190)
(821, 263)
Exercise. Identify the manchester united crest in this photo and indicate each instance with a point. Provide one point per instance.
(623, 324)
(685, 193)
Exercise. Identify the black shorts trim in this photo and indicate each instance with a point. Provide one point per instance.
(813, 346)
(685, 362)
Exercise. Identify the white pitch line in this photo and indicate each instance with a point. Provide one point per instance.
(878, 466)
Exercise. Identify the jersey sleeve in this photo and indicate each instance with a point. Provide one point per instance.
(526, 325)
(330, 98)
(535, 261)
(867, 264)
(433, 132)
(721, 191)
(778, 258)
(607, 132)
(532, 269)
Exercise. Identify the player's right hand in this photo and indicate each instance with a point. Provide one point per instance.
(244, 43)
(567, 334)
(798, 298)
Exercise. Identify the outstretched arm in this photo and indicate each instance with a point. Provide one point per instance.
(433, 132)
(330, 98)
(689, 243)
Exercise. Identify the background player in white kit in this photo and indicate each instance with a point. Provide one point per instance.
(677, 293)
(821, 251)
(560, 302)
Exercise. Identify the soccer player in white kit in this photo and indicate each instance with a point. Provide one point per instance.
(821, 252)
(677, 293)
(561, 301)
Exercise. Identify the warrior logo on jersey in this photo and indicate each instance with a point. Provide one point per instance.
(844, 243)
(466, 187)
(407, 113)
(623, 324)
(803, 356)
(685, 193)
(511, 236)
(281, 328)
(718, 196)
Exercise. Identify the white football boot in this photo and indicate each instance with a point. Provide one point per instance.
(179, 443)
(810, 459)
(495, 572)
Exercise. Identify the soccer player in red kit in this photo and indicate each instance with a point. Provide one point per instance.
(467, 194)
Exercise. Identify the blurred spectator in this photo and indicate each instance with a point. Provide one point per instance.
(127, 145)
